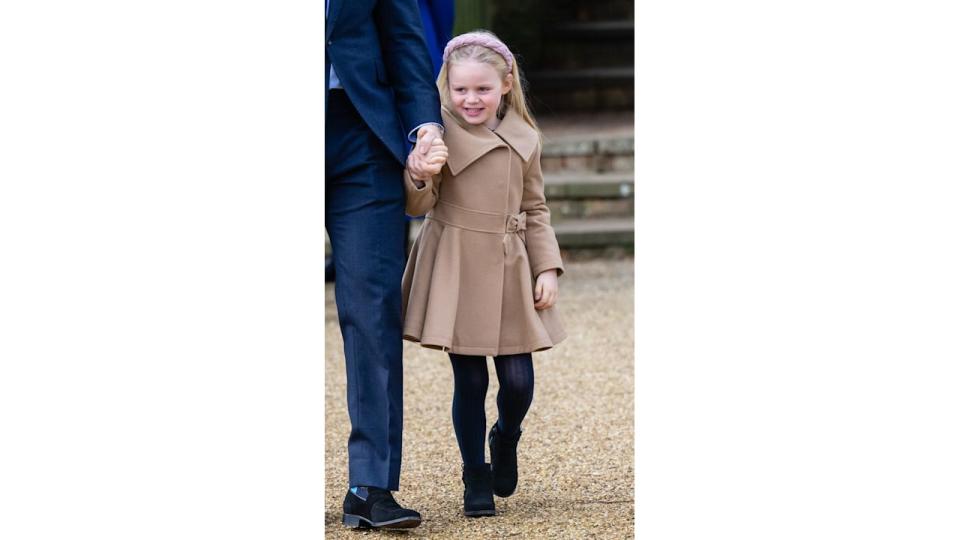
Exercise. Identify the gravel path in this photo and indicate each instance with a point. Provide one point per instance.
(576, 455)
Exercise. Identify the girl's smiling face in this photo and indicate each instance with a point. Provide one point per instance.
(476, 90)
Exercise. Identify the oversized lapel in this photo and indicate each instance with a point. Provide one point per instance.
(335, 6)
(518, 134)
(467, 143)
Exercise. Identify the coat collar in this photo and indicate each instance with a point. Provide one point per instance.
(467, 143)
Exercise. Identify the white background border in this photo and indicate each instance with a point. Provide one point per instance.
(161, 299)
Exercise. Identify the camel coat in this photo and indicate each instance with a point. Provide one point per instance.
(468, 284)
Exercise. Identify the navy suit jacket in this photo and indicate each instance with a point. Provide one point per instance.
(380, 55)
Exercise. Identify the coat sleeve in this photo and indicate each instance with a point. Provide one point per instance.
(407, 62)
(420, 200)
(542, 247)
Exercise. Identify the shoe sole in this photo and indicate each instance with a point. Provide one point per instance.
(359, 522)
(480, 513)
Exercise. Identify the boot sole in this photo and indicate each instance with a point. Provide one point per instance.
(480, 513)
(359, 522)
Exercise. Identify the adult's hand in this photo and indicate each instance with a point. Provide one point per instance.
(431, 164)
(425, 136)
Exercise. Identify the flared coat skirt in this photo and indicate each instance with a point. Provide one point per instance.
(471, 292)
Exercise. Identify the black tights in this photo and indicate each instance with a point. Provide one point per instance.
(515, 373)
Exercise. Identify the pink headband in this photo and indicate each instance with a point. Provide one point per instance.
(484, 40)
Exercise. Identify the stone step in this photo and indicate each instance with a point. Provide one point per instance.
(595, 233)
(558, 99)
(573, 55)
(588, 185)
(581, 45)
(580, 194)
(575, 195)
(564, 210)
(584, 77)
(584, 145)
(587, 153)
(596, 163)
(569, 126)
(582, 89)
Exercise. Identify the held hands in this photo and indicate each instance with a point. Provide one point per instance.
(429, 155)
(547, 290)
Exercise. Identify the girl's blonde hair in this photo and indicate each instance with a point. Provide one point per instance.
(513, 99)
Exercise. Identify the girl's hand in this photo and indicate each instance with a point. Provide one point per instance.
(547, 290)
(422, 167)
(436, 156)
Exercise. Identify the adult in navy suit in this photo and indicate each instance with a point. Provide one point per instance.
(380, 98)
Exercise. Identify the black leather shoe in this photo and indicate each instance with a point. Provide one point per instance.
(503, 458)
(375, 508)
(478, 491)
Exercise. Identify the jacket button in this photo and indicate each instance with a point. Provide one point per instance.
(330, 42)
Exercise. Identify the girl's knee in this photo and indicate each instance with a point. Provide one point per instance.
(516, 387)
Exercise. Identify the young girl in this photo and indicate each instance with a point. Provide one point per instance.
(482, 275)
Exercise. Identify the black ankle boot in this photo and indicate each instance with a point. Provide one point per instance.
(503, 458)
(478, 491)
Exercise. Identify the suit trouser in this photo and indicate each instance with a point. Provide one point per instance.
(365, 221)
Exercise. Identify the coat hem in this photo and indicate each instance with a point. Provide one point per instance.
(446, 345)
